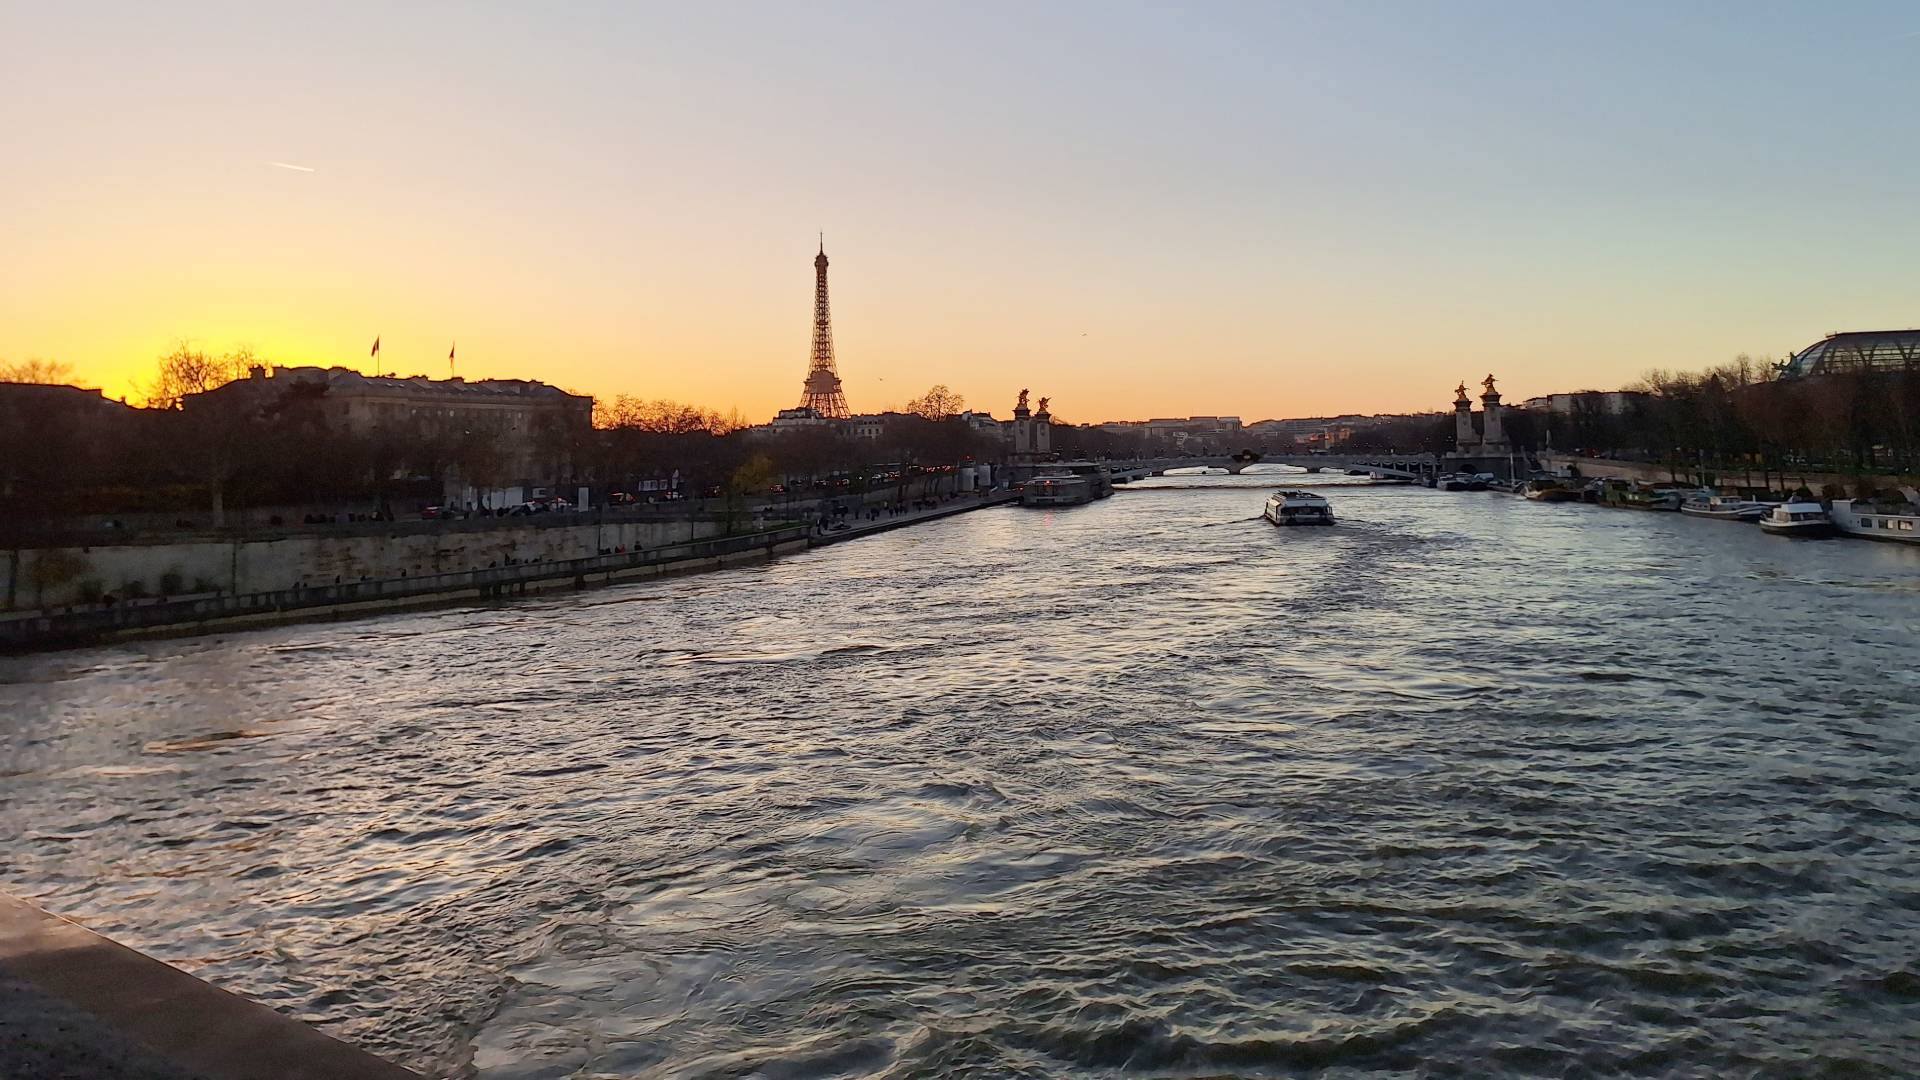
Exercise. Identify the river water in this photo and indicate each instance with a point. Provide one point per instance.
(1462, 786)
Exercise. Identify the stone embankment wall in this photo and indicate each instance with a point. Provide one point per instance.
(53, 577)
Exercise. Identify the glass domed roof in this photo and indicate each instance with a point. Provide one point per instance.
(1860, 350)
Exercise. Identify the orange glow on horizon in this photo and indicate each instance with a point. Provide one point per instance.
(631, 207)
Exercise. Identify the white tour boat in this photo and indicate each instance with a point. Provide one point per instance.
(1880, 519)
(1298, 508)
(1798, 519)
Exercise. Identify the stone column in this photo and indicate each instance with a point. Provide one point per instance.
(1491, 433)
(1464, 437)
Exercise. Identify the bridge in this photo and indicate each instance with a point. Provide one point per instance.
(1409, 466)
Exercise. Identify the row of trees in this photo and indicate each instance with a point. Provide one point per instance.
(36, 372)
(1743, 417)
(193, 458)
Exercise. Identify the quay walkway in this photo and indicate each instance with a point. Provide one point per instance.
(959, 504)
(207, 614)
(76, 1006)
(204, 614)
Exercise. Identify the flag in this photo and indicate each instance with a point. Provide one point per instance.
(450, 349)
(376, 347)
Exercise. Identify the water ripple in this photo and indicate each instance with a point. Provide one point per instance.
(1463, 787)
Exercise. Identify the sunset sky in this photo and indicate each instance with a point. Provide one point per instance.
(1262, 210)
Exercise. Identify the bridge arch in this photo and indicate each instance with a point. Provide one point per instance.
(1407, 466)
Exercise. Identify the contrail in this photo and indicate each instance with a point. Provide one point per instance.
(284, 165)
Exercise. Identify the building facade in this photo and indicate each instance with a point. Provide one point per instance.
(496, 434)
(1603, 402)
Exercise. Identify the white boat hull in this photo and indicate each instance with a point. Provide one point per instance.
(1798, 528)
(1874, 525)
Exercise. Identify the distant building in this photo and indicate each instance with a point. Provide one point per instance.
(1606, 402)
(52, 437)
(1317, 430)
(1177, 430)
(1856, 351)
(527, 427)
(983, 423)
(19, 401)
(795, 419)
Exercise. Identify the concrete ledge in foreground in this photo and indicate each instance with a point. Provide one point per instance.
(199, 1029)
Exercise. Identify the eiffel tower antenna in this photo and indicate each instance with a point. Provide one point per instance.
(821, 392)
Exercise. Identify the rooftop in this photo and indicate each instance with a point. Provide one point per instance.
(1856, 350)
(344, 381)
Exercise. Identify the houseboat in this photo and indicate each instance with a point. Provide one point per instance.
(1897, 520)
(1798, 519)
(1546, 489)
(1099, 478)
(1724, 507)
(1634, 495)
(1056, 488)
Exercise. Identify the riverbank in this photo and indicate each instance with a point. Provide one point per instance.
(92, 624)
(207, 614)
(143, 567)
(76, 1006)
(958, 504)
(1653, 472)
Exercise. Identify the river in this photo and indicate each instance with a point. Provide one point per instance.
(1464, 785)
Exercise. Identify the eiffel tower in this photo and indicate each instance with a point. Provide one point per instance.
(821, 392)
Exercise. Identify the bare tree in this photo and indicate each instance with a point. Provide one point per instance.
(937, 403)
(186, 371)
(661, 417)
(43, 372)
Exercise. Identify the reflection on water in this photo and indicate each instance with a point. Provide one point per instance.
(1464, 784)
